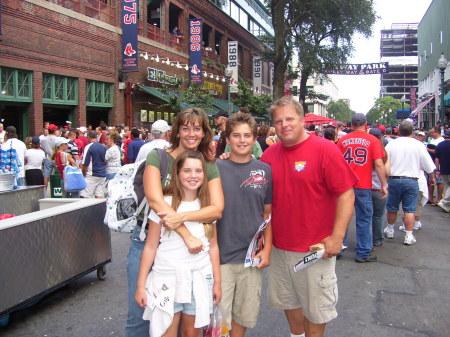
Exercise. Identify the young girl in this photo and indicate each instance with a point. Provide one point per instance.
(180, 285)
(62, 158)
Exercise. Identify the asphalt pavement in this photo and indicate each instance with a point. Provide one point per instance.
(406, 293)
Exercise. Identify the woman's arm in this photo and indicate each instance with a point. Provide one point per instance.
(205, 214)
(155, 198)
(215, 261)
(71, 160)
(148, 256)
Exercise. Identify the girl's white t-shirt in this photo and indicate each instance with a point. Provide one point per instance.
(171, 244)
(34, 159)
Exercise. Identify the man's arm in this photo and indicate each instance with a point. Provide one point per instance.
(344, 211)
(381, 173)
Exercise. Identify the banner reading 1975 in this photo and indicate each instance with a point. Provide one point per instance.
(195, 51)
(129, 34)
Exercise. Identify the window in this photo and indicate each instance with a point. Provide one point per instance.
(431, 48)
(58, 89)
(16, 85)
(441, 36)
(99, 93)
(234, 11)
(243, 18)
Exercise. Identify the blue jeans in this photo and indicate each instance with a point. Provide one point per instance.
(363, 212)
(379, 209)
(136, 326)
(405, 191)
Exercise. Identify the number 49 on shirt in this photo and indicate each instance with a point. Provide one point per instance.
(357, 155)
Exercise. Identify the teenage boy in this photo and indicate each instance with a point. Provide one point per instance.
(247, 187)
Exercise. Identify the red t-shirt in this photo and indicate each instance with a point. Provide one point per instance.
(360, 149)
(307, 180)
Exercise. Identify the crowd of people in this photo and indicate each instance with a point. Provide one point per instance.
(221, 185)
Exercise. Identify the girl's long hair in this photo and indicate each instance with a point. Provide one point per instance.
(193, 115)
(175, 189)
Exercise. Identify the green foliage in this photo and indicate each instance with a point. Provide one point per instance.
(340, 111)
(188, 96)
(384, 110)
(258, 105)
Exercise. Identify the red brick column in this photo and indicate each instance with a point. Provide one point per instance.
(79, 112)
(35, 109)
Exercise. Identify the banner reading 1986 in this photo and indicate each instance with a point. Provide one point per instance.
(195, 51)
(129, 34)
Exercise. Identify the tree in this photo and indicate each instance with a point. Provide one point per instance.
(384, 111)
(340, 111)
(258, 105)
(192, 95)
(321, 33)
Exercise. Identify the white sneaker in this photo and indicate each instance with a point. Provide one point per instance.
(409, 240)
(389, 233)
(444, 207)
(402, 228)
(417, 225)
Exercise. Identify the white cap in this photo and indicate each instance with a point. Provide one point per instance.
(82, 128)
(61, 140)
(160, 126)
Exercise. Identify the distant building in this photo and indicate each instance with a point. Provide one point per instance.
(398, 46)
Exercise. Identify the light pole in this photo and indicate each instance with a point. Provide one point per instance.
(442, 64)
(403, 100)
(389, 116)
(228, 74)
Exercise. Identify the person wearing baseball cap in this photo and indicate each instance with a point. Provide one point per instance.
(48, 145)
(363, 152)
(442, 160)
(12, 143)
(160, 130)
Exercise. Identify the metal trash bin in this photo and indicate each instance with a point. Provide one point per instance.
(55, 186)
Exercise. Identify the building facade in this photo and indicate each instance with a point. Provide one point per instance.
(61, 59)
(434, 40)
(398, 46)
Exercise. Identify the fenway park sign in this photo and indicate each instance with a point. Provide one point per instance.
(360, 69)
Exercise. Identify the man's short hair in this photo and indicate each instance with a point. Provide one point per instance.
(240, 118)
(244, 110)
(286, 101)
(436, 129)
(92, 134)
(406, 128)
(135, 133)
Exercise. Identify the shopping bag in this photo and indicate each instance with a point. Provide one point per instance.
(217, 327)
(73, 179)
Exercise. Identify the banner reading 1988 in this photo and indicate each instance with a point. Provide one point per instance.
(129, 34)
(195, 50)
(233, 64)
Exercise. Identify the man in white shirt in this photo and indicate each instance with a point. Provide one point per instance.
(12, 143)
(407, 157)
(160, 137)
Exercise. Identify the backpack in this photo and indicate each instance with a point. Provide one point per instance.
(126, 198)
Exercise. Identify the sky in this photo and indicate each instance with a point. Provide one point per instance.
(363, 90)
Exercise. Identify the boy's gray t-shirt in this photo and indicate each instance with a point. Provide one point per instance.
(247, 187)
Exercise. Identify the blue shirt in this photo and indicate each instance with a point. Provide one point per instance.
(443, 153)
(96, 152)
(133, 149)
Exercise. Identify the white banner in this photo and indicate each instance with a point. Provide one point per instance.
(257, 75)
(233, 64)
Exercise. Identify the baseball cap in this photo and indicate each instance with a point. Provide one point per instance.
(82, 128)
(60, 141)
(52, 127)
(35, 140)
(382, 128)
(358, 119)
(447, 133)
(160, 126)
(11, 129)
(222, 113)
(421, 133)
(333, 124)
(375, 132)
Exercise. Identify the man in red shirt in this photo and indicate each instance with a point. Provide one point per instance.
(312, 202)
(363, 152)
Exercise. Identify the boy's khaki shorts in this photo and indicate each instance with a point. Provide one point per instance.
(314, 289)
(241, 293)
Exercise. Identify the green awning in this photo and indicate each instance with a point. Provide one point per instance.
(223, 105)
(447, 99)
(155, 92)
